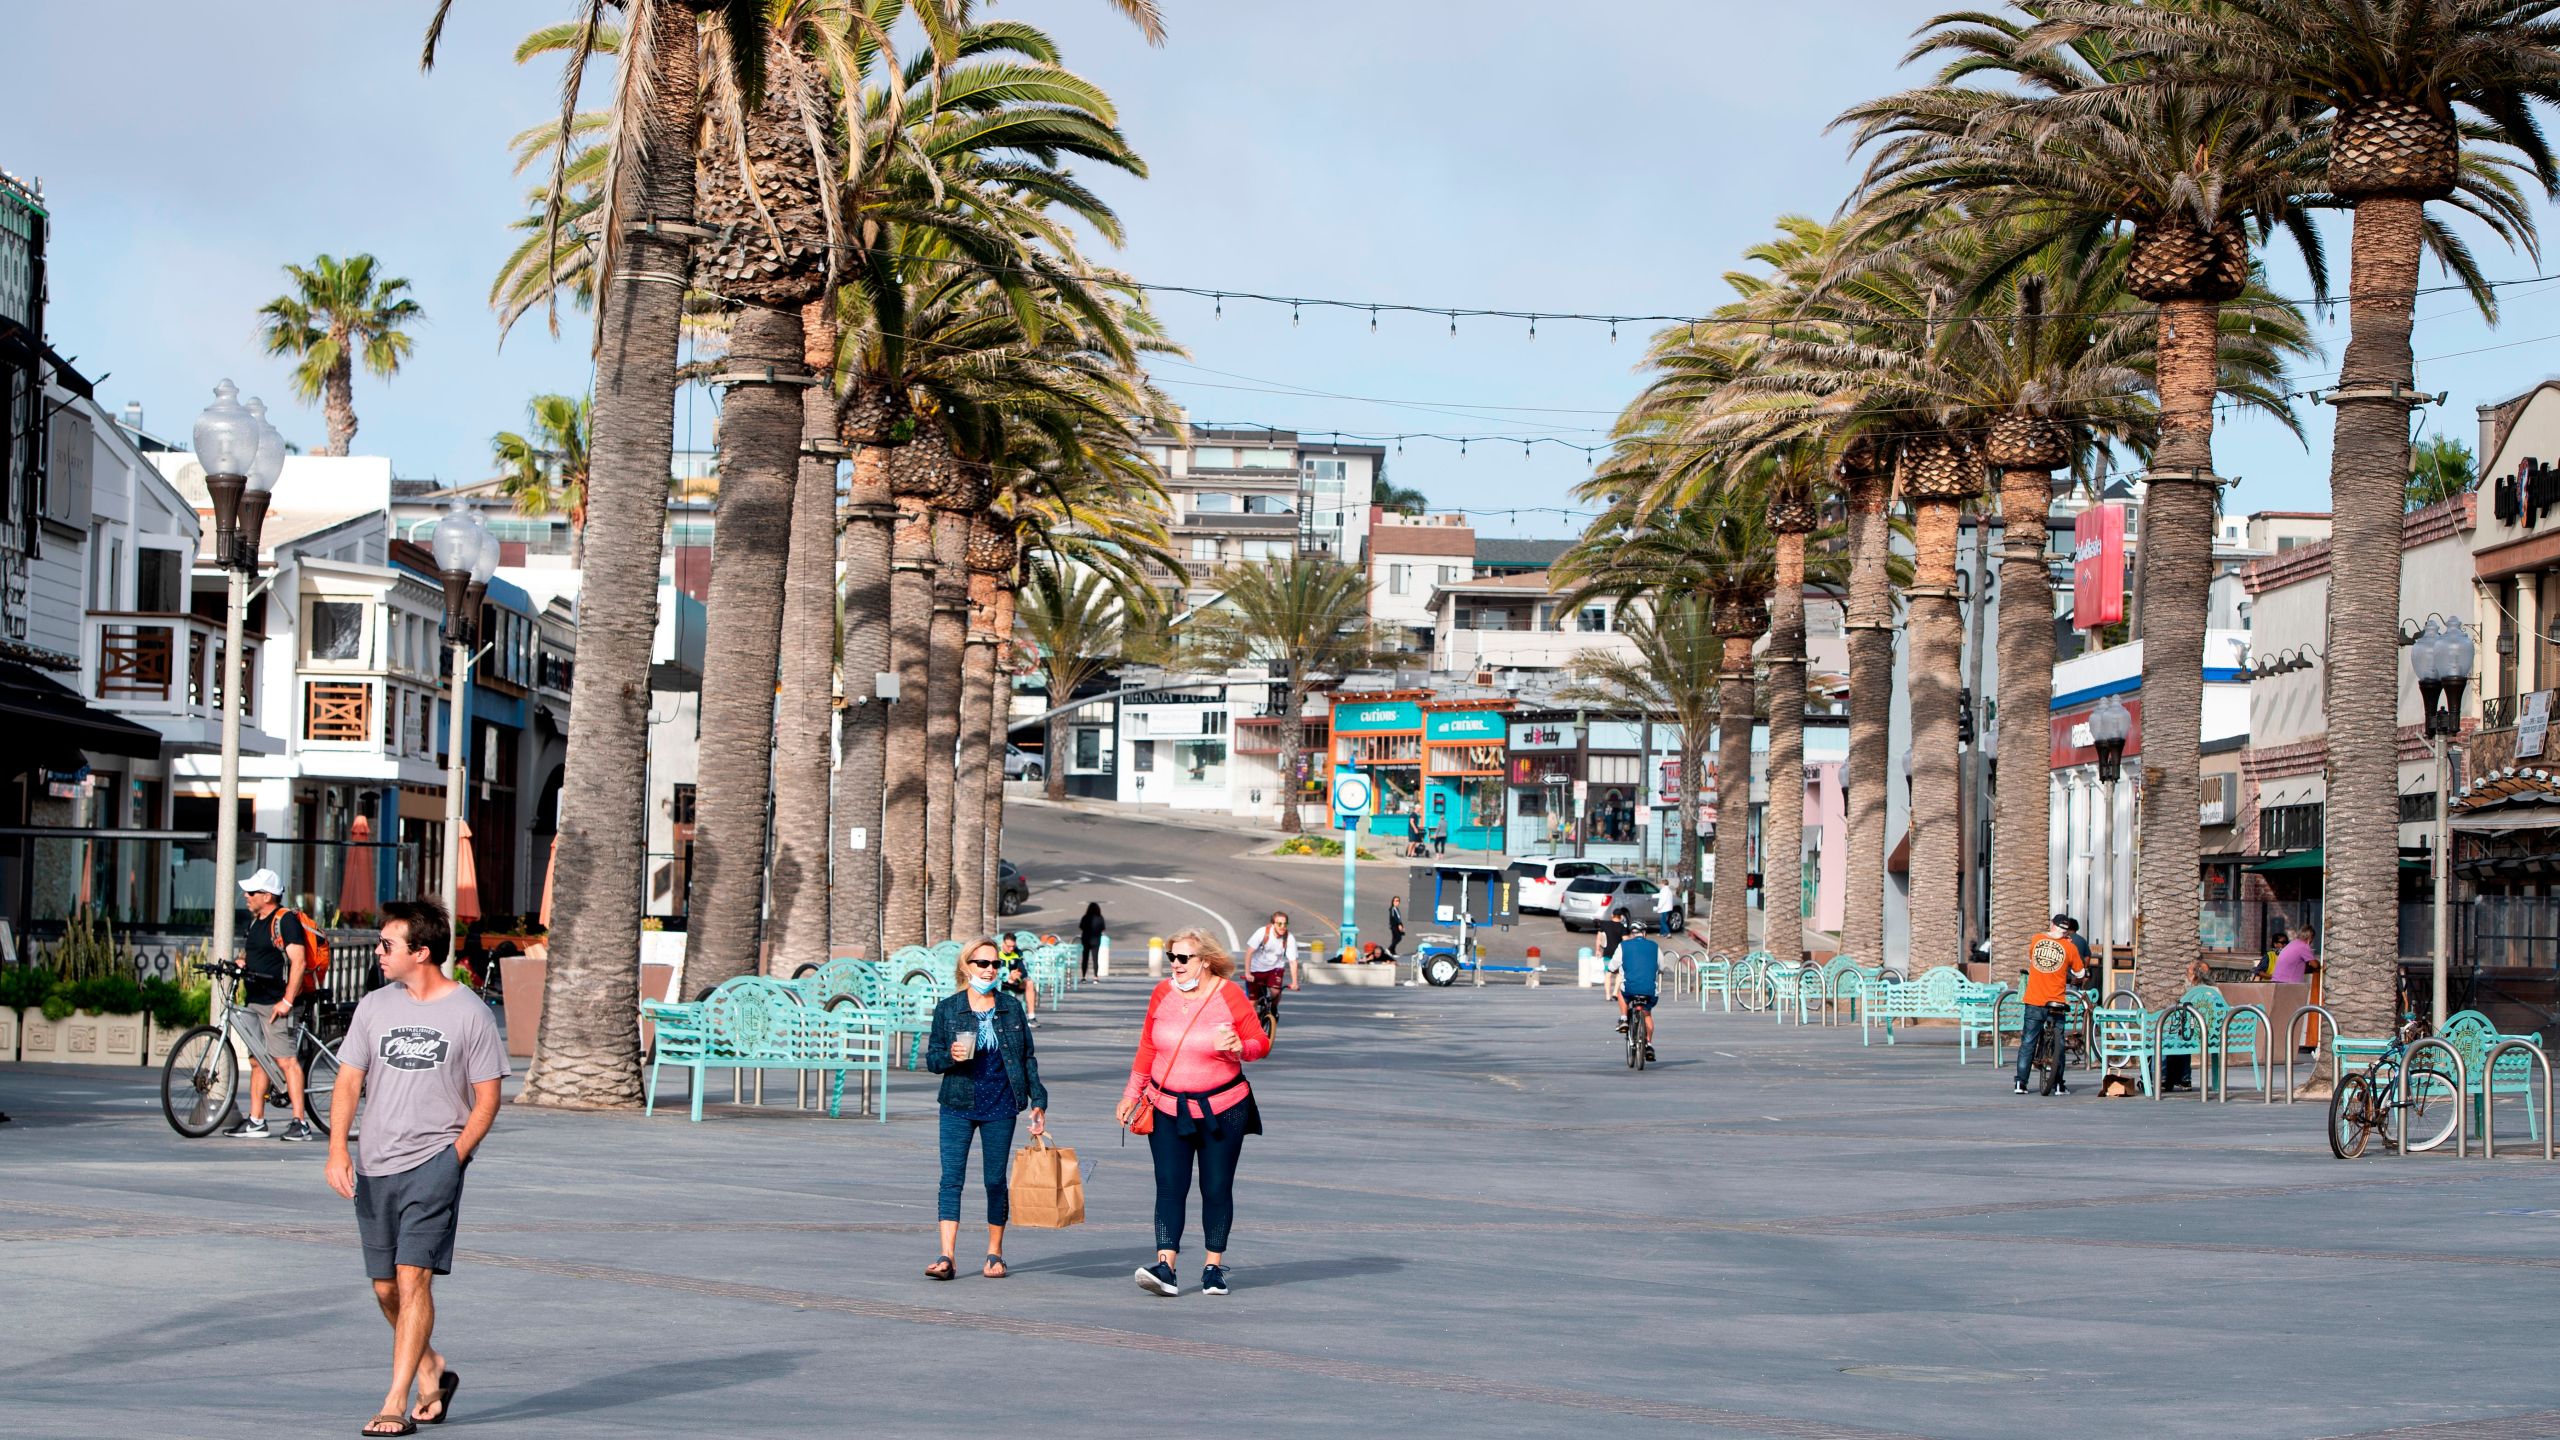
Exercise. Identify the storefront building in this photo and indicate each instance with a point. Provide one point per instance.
(1173, 749)
(1465, 790)
(1380, 735)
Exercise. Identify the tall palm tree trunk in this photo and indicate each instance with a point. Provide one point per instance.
(2368, 478)
(2176, 557)
(1292, 700)
(804, 713)
(750, 538)
(902, 822)
(860, 777)
(1729, 919)
(2021, 860)
(1053, 749)
(969, 907)
(1937, 642)
(1782, 831)
(999, 731)
(1870, 768)
(1693, 765)
(588, 1054)
(338, 401)
(946, 640)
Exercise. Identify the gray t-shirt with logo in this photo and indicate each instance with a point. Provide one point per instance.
(419, 1062)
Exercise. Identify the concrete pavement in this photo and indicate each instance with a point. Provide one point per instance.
(1468, 1217)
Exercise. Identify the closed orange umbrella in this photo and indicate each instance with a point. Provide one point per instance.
(356, 891)
(550, 873)
(466, 878)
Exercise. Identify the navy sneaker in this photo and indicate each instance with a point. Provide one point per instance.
(299, 1130)
(1158, 1279)
(1213, 1280)
(2017, 1087)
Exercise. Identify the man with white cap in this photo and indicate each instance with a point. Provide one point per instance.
(273, 952)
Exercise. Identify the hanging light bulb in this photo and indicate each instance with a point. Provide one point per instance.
(1217, 307)
(1453, 324)
(1533, 327)
(1613, 332)
(1293, 314)
(1373, 319)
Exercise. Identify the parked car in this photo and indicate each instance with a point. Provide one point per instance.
(1012, 891)
(1592, 898)
(1540, 879)
(1021, 764)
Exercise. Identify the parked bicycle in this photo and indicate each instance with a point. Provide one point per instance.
(2045, 1068)
(2366, 1102)
(200, 1082)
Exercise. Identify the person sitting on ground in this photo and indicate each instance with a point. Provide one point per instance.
(1637, 978)
(2052, 961)
(1017, 981)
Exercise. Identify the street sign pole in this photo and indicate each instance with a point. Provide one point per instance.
(1351, 801)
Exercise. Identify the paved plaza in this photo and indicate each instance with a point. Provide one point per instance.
(1468, 1218)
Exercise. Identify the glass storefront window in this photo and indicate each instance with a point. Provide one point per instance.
(1200, 762)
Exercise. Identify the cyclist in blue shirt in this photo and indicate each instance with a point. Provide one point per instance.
(1635, 973)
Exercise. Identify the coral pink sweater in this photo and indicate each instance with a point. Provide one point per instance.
(1195, 1064)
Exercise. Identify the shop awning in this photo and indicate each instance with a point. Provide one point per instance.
(51, 715)
(2298, 860)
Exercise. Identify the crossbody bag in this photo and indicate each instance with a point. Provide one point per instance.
(1144, 1122)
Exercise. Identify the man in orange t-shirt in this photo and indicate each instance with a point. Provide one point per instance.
(2052, 963)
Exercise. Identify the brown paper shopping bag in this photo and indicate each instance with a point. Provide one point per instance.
(1047, 1191)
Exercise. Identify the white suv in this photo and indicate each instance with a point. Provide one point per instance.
(1541, 879)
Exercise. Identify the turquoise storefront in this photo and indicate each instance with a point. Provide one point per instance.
(1381, 737)
(1466, 790)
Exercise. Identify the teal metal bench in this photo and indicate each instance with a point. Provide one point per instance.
(1841, 982)
(2472, 1037)
(2010, 1018)
(2128, 1038)
(1939, 994)
(754, 1023)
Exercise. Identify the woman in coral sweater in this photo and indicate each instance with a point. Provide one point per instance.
(1188, 1085)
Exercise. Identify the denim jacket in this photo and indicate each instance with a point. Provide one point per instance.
(1013, 1046)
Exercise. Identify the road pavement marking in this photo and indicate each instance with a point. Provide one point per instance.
(1232, 942)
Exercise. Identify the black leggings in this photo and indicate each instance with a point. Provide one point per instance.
(1217, 1160)
(1092, 956)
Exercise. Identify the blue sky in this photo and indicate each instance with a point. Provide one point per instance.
(1494, 154)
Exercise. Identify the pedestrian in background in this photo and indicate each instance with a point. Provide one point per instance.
(1091, 929)
(425, 1053)
(1187, 1092)
(981, 1047)
(1395, 924)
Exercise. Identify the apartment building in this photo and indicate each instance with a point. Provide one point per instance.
(1254, 496)
(1411, 558)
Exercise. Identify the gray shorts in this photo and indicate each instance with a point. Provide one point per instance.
(268, 1039)
(409, 1218)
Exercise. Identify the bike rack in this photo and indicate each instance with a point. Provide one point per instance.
(2126, 994)
(2160, 1039)
(2293, 1028)
(2489, 1099)
(2222, 1053)
(2461, 1094)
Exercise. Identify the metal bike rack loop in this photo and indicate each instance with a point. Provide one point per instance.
(2489, 1098)
(2160, 1038)
(2461, 1093)
(2128, 994)
(2293, 1028)
(2222, 1053)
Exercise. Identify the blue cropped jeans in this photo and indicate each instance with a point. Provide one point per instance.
(995, 1139)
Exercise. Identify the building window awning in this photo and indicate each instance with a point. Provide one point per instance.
(52, 715)
(2298, 860)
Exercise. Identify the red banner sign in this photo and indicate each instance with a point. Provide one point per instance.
(2072, 744)
(2097, 567)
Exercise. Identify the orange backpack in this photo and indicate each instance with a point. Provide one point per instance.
(315, 949)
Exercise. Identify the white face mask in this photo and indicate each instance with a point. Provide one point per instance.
(982, 986)
(1186, 983)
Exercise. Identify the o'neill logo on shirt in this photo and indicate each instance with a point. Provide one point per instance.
(413, 1047)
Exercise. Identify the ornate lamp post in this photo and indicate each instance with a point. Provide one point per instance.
(2441, 657)
(466, 556)
(242, 455)
(2110, 725)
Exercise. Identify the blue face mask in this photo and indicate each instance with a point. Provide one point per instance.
(982, 986)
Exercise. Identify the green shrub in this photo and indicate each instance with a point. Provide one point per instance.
(106, 995)
(57, 1006)
(174, 1006)
(23, 987)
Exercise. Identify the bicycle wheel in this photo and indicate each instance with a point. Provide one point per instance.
(2351, 1117)
(2433, 1107)
(2049, 1057)
(319, 1079)
(200, 1082)
(1270, 1017)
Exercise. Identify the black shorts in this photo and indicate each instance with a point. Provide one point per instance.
(409, 1218)
(1642, 1002)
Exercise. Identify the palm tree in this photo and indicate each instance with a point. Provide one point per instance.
(1792, 517)
(1308, 617)
(2440, 467)
(1675, 675)
(588, 1054)
(546, 470)
(1074, 622)
(2195, 177)
(340, 311)
(2429, 101)
(1402, 499)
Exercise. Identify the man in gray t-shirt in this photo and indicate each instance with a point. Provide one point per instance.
(426, 1055)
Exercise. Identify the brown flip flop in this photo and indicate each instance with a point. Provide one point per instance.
(407, 1425)
(941, 1269)
(451, 1381)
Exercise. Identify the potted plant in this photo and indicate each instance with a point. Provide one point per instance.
(22, 988)
(92, 1015)
(174, 1007)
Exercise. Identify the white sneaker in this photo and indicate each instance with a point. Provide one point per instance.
(247, 1130)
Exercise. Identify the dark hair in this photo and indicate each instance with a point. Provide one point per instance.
(426, 925)
(1093, 909)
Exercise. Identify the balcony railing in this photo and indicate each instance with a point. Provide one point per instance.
(163, 664)
(2499, 711)
(335, 711)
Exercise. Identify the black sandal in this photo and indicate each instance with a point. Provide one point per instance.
(407, 1425)
(445, 1387)
(995, 1268)
(941, 1269)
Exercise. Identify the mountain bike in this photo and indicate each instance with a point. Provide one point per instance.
(200, 1082)
(1639, 1031)
(2364, 1103)
(2046, 1066)
(1266, 1004)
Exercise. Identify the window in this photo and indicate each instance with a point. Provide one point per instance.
(1260, 552)
(2417, 807)
(1088, 748)
(1142, 755)
(1204, 550)
(338, 712)
(66, 489)
(1262, 459)
(337, 630)
(1333, 470)
(1616, 769)
(1270, 505)
(1201, 762)
(1448, 574)
(1212, 457)
(2284, 828)
(1593, 620)
(1213, 722)
(1533, 804)
(1399, 579)
(1213, 502)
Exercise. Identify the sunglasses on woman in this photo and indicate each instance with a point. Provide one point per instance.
(980, 963)
(1181, 957)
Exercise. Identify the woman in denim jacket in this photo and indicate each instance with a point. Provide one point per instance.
(981, 1047)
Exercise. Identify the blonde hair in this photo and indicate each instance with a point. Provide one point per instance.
(960, 966)
(1211, 953)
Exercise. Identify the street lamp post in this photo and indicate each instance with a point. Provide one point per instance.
(2110, 724)
(242, 455)
(2441, 656)
(466, 556)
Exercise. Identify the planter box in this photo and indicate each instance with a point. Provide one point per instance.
(161, 1042)
(8, 1034)
(82, 1039)
(521, 979)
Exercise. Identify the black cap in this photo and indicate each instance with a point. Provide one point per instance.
(2065, 921)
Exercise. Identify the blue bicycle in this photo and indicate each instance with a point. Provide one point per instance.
(2366, 1101)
